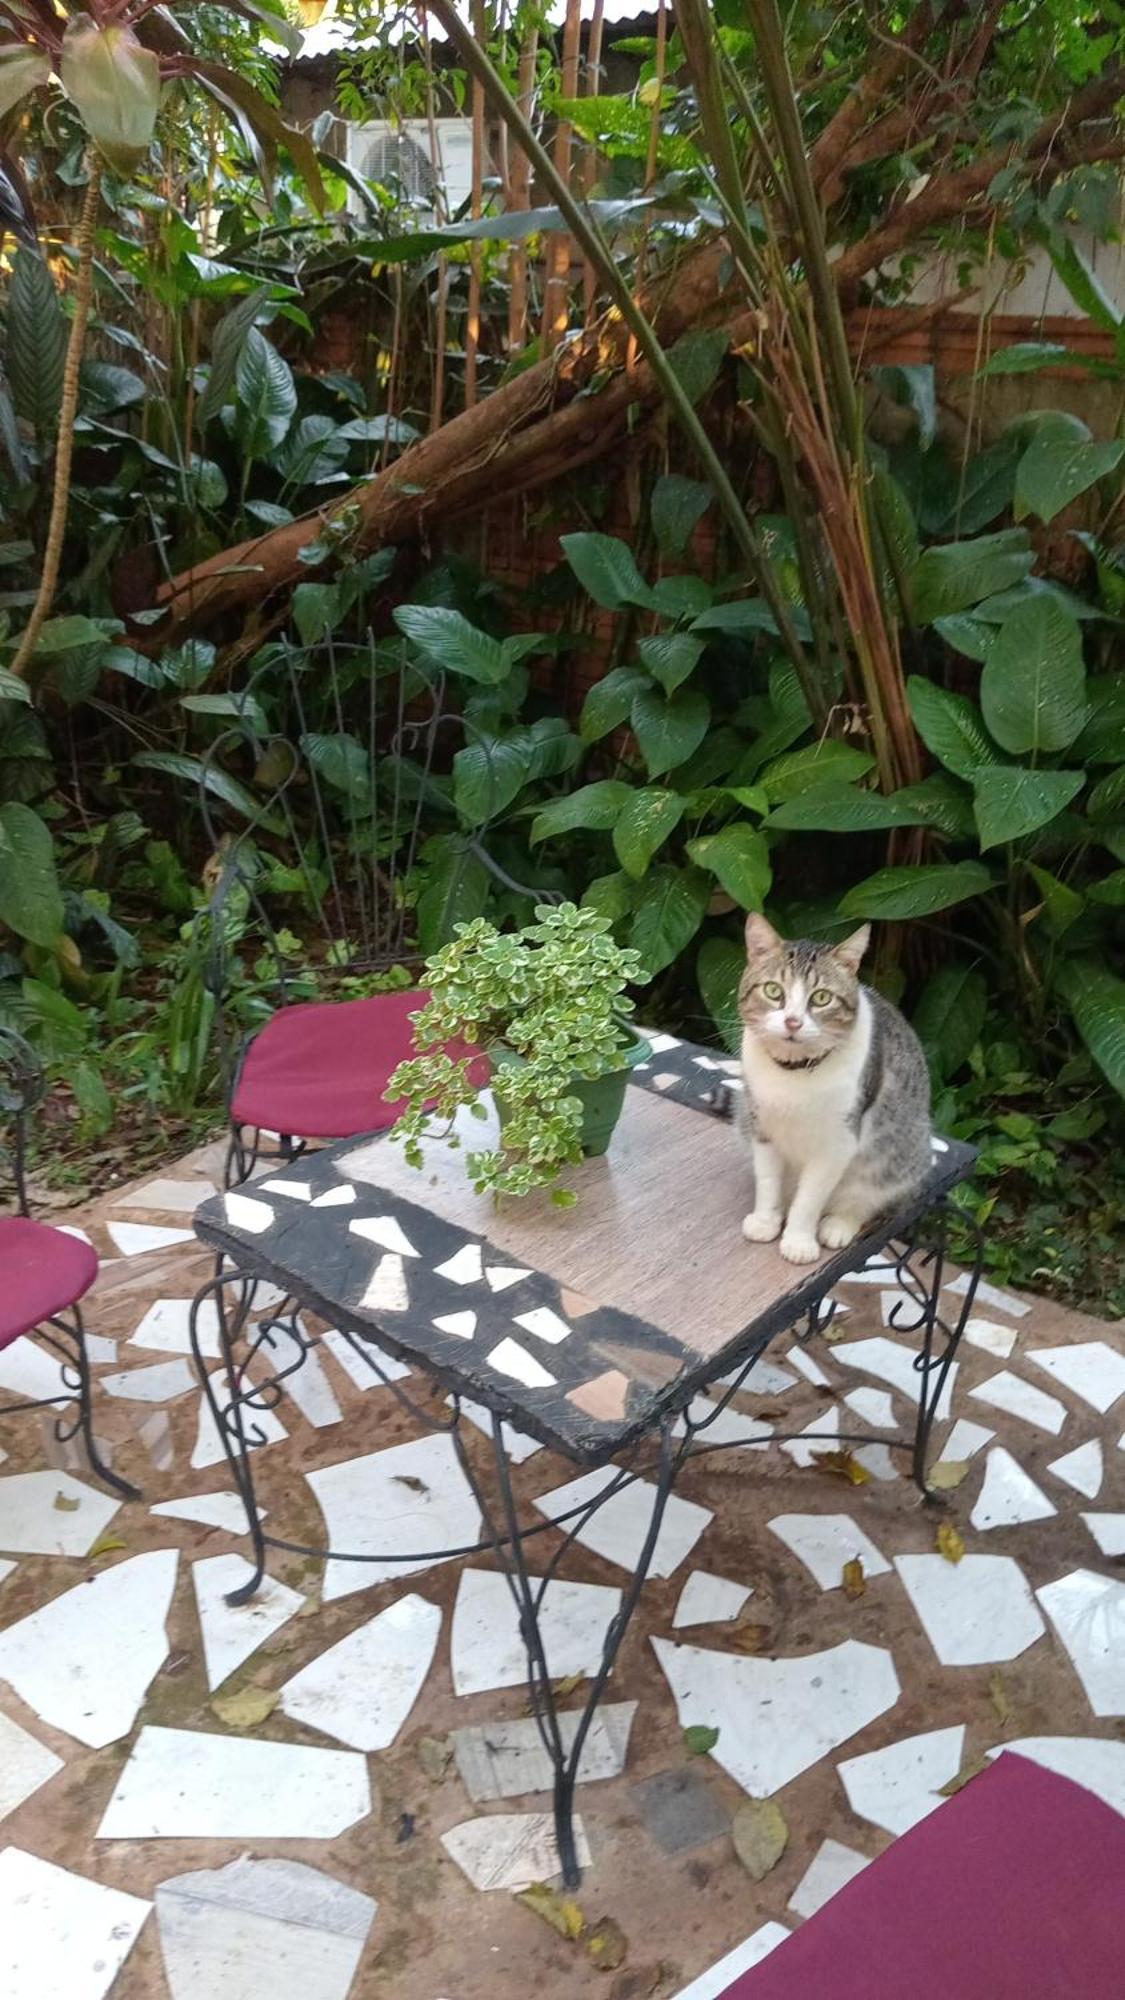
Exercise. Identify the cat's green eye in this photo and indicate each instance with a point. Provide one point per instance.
(822, 997)
(774, 993)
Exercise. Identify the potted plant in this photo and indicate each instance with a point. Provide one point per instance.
(548, 1005)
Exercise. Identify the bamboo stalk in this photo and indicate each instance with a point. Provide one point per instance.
(441, 302)
(590, 160)
(68, 410)
(519, 195)
(472, 323)
(558, 248)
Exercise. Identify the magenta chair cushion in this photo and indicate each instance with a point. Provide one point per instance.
(319, 1071)
(1014, 1889)
(42, 1271)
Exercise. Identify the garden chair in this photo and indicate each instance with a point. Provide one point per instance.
(44, 1272)
(333, 763)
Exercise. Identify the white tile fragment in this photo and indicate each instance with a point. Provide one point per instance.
(1088, 1614)
(100, 1351)
(976, 1612)
(873, 1406)
(659, 1044)
(825, 1542)
(501, 1276)
(486, 1645)
(79, 1235)
(357, 1369)
(1018, 1398)
(509, 1358)
(821, 1434)
(61, 1933)
(166, 1324)
(308, 1386)
(878, 1460)
(244, 1212)
(765, 1378)
(461, 1325)
(6, 1569)
(775, 1718)
(1082, 1469)
(363, 1688)
(805, 1365)
(158, 1384)
(1108, 1531)
(169, 1195)
(1098, 1762)
(295, 1190)
(510, 1850)
(25, 1764)
(465, 1267)
(544, 1324)
(728, 1427)
(31, 1375)
(717, 1979)
(337, 1197)
(386, 1232)
(506, 1760)
(411, 1498)
(211, 1510)
(965, 1440)
(231, 1632)
(901, 1310)
(891, 1362)
(187, 1784)
(32, 1524)
(517, 1444)
(83, 1661)
(832, 1867)
(1008, 1495)
(991, 1337)
(261, 1428)
(989, 1295)
(709, 1600)
(1091, 1369)
(135, 1239)
(619, 1528)
(386, 1290)
(897, 1787)
(261, 1930)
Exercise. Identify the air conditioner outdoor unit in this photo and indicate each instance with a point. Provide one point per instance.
(404, 153)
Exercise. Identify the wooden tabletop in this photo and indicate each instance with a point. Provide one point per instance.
(582, 1326)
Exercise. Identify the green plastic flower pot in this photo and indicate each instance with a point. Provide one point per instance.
(602, 1097)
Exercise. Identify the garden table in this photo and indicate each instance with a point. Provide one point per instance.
(591, 1329)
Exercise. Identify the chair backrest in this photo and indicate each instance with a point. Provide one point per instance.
(22, 1087)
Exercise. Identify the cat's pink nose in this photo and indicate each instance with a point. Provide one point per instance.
(792, 1023)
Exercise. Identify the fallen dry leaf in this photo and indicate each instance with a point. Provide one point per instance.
(998, 1696)
(855, 1583)
(567, 1685)
(965, 1775)
(435, 1755)
(247, 1708)
(948, 1473)
(606, 1945)
(311, 1605)
(561, 1912)
(949, 1543)
(106, 1544)
(760, 1834)
(699, 1739)
(750, 1638)
(843, 1466)
(63, 1504)
(407, 1479)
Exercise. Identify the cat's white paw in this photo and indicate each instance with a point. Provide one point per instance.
(837, 1230)
(798, 1248)
(761, 1227)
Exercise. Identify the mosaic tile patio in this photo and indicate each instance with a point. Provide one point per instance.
(334, 1790)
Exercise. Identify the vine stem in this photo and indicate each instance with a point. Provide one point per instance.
(68, 410)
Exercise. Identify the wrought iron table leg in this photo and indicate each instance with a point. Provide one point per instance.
(235, 1436)
(941, 1336)
(76, 1377)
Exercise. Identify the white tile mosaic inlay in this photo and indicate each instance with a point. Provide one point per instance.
(161, 1383)
(874, 1407)
(709, 1600)
(832, 1867)
(976, 1612)
(1083, 1469)
(989, 1295)
(510, 1851)
(243, 1211)
(1008, 1495)
(83, 1661)
(619, 1528)
(25, 1764)
(506, 1760)
(991, 1337)
(357, 1368)
(386, 1287)
(965, 1440)
(717, 1979)
(187, 1784)
(1098, 1762)
(825, 1542)
(544, 1324)
(1108, 1531)
(1091, 1369)
(891, 1362)
(363, 1688)
(486, 1645)
(1088, 1614)
(502, 1276)
(231, 1632)
(461, 1325)
(465, 1267)
(386, 1232)
(261, 1930)
(265, 1425)
(211, 1510)
(60, 1933)
(52, 1514)
(897, 1787)
(166, 1324)
(135, 1239)
(406, 1501)
(1018, 1398)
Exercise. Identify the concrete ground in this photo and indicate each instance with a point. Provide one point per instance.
(987, 1667)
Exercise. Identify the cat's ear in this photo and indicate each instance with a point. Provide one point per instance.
(850, 950)
(760, 936)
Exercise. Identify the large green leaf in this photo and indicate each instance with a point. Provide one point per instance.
(829, 762)
(609, 701)
(950, 1015)
(670, 906)
(452, 643)
(838, 808)
(669, 728)
(941, 802)
(487, 776)
(1026, 357)
(1033, 684)
(227, 343)
(342, 761)
(12, 687)
(1080, 281)
(1097, 1000)
(513, 226)
(314, 451)
(682, 595)
(31, 902)
(670, 657)
(21, 69)
(193, 771)
(266, 396)
(455, 888)
(317, 610)
(984, 489)
(748, 615)
(606, 569)
(1107, 800)
(696, 359)
(1102, 740)
(896, 894)
(1051, 473)
(738, 855)
(719, 970)
(644, 824)
(1011, 801)
(597, 806)
(959, 574)
(1061, 905)
(35, 355)
(967, 633)
(676, 508)
(950, 726)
